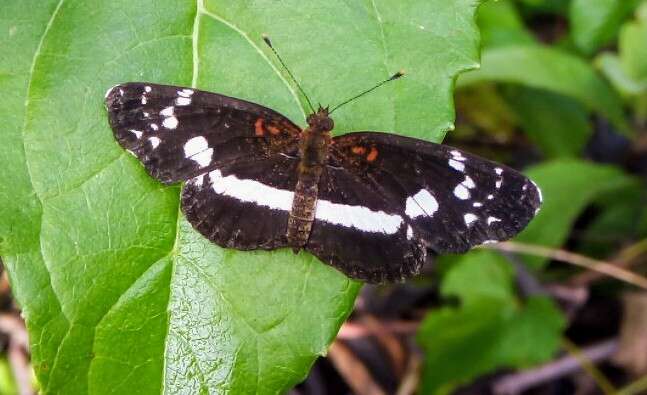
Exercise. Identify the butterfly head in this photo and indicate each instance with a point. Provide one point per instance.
(320, 120)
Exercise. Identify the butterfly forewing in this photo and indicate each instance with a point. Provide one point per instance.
(179, 133)
(452, 200)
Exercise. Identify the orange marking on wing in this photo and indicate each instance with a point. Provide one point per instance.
(358, 150)
(372, 155)
(258, 127)
(273, 129)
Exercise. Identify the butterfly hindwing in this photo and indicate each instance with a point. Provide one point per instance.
(179, 133)
(360, 232)
(243, 204)
(452, 200)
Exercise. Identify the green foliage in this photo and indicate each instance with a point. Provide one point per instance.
(553, 70)
(117, 289)
(490, 329)
(595, 23)
(7, 381)
(501, 25)
(627, 70)
(557, 124)
(568, 186)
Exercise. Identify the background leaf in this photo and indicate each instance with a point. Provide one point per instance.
(596, 22)
(627, 70)
(553, 70)
(558, 125)
(567, 186)
(489, 330)
(117, 289)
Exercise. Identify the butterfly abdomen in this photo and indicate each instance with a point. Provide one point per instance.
(313, 152)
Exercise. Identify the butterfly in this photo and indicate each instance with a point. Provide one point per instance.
(376, 206)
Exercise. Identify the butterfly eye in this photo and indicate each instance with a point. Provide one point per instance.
(327, 124)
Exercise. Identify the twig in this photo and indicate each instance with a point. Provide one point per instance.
(625, 258)
(632, 352)
(389, 341)
(636, 388)
(411, 378)
(527, 283)
(572, 258)
(353, 370)
(589, 367)
(516, 383)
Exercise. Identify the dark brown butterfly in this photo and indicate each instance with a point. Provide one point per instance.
(374, 205)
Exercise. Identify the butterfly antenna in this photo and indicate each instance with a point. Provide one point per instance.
(269, 44)
(393, 77)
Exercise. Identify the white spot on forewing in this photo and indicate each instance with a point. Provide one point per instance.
(461, 192)
(155, 141)
(457, 165)
(197, 149)
(477, 204)
(195, 145)
(358, 217)
(185, 92)
(154, 126)
(491, 220)
(146, 114)
(183, 101)
(170, 123)
(409, 232)
(137, 133)
(144, 101)
(469, 218)
(498, 183)
(147, 88)
(167, 112)
(203, 158)
(498, 170)
(422, 203)
(456, 154)
(490, 197)
(469, 183)
(251, 191)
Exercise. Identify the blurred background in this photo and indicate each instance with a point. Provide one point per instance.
(562, 309)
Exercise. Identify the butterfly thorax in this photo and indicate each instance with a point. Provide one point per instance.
(313, 154)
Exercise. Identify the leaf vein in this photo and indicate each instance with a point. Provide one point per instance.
(218, 18)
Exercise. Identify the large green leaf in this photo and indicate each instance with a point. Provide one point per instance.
(489, 330)
(118, 291)
(553, 70)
